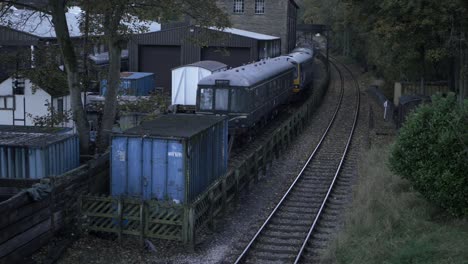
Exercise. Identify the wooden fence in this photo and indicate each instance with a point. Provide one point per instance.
(30, 218)
(419, 88)
(165, 220)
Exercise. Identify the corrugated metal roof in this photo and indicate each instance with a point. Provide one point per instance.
(250, 74)
(134, 75)
(34, 129)
(175, 126)
(40, 24)
(207, 64)
(33, 140)
(245, 33)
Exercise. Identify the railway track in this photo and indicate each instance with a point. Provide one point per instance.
(288, 234)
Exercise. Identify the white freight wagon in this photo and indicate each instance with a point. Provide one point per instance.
(185, 80)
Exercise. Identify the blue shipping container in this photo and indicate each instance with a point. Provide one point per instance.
(133, 84)
(174, 157)
(37, 155)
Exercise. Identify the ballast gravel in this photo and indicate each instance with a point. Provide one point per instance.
(232, 232)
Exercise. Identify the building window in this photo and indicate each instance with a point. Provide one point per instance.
(60, 106)
(18, 86)
(238, 6)
(7, 103)
(259, 6)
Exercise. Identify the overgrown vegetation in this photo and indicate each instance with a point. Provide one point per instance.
(432, 153)
(390, 223)
(401, 40)
(52, 118)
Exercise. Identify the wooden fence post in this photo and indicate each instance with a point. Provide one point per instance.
(80, 214)
(142, 223)
(237, 175)
(256, 166)
(224, 197)
(120, 216)
(191, 228)
(211, 210)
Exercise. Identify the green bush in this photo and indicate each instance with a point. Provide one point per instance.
(431, 152)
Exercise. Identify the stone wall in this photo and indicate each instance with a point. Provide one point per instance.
(273, 22)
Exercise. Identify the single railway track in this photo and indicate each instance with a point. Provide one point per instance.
(286, 233)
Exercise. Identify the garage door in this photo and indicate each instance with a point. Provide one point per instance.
(159, 60)
(232, 57)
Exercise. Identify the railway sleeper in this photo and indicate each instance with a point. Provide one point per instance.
(270, 257)
(308, 189)
(297, 222)
(309, 195)
(290, 249)
(297, 211)
(302, 205)
(282, 234)
(279, 242)
(289, 228)
(314, 186)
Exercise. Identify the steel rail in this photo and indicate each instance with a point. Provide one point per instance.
(249, 245)
(330, 189)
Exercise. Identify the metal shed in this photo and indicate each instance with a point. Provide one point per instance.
(174, 157)
(160, 52)
(133, 84)
(185, 80)
(29, 155)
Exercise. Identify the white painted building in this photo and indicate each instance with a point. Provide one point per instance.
(21, 102)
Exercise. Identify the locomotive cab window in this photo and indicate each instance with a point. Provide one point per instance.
(296, 70)
(206, 99)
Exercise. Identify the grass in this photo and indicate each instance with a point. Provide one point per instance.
(391, 223)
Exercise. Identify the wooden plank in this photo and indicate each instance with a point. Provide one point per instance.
(19, 255)
(16, 214)
(165, 222)
(23, 238)
(18, 183)
(24, 224)
(9, 191)
(14, 202)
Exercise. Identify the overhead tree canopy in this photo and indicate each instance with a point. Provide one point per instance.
(405, 40)
(114, 21)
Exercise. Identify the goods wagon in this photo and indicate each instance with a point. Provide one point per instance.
(185, 80)
(133, 84)
(174, 157)
(37, 155)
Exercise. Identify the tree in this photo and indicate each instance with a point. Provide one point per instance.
(57, 9)
(405, 40)
(431, 152)
(117, 20)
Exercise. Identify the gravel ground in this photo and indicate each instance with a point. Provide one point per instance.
(231, 232)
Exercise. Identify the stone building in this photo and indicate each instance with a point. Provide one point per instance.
(271, 17)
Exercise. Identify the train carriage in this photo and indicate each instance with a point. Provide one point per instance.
(247, 94)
